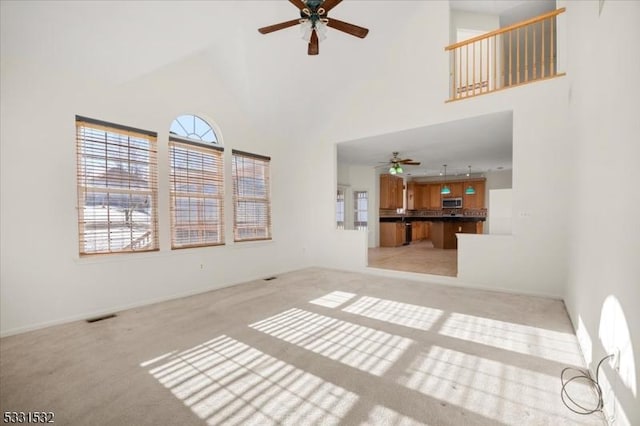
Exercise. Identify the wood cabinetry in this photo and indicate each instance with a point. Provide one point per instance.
(414, 196)
(420, 230)
(443, 234)
(417, 231)
(391, 191)
(392, 234)
(427, 196)
(435, 201)
(474, 201)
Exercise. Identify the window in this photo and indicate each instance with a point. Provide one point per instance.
(360, 201)
(251, 197)
(340, 209)
(117, 188)
(197, 184)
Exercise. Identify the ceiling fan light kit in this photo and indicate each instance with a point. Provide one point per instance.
(396, 163)
(314, 22)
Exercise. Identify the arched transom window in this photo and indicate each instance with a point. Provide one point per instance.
(192, 127)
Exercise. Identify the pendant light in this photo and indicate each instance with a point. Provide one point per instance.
(445, 189)
(470, 189)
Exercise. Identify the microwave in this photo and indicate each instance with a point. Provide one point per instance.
(452, 203)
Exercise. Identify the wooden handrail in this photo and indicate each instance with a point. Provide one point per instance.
(507, 29)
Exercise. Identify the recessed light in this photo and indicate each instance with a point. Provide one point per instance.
(499, 167)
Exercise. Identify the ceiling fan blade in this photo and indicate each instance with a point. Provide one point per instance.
(411, 163)
(298, 3)
(345, 27)
(280, 26)
(313, 44)
(330, 4)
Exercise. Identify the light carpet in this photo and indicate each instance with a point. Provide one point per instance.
(314, 346)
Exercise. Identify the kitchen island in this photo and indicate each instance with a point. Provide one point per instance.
(441, 229)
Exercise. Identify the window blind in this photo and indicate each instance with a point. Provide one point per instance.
(117, 188)
(360, 202)
(251, 197)
(340, 208)
(197, 194)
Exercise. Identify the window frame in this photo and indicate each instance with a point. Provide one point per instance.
(262, 222)
(113, 189)
(216, 180)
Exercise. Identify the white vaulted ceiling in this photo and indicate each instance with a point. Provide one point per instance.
(285, 92)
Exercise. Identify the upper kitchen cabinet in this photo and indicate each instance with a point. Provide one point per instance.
(474, 201)
(432, 196)
(391, 192)
(414, 196)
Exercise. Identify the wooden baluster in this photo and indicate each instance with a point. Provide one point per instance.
(495, 60)
(518, 56)
(459, 85)
(510, 62)
(480, 67)
(551, 46)
(526, 54)
(487, 61)
(473, 62)
(452, 55)
(466, 91)
(542, 48)
(535, 68)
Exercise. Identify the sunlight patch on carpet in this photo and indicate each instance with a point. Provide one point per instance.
(364, 348)
(405, 314)
(539, 342)
(502, 392)
(333, 299)
(224, 381)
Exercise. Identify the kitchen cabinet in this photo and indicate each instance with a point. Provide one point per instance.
(392, 234)
(391, 192)
(443, 233)
(417, 231)
(414, 196)
(434, 201)
(475, 201)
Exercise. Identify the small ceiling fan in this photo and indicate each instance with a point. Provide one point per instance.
(314, 20)
(396, 163)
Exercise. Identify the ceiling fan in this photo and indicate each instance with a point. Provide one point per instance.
(314, 20)
(396, 163)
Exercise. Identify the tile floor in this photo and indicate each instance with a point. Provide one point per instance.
(418, 256)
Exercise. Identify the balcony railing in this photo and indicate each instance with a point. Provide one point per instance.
(518, 54)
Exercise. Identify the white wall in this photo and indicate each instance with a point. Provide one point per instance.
(500, 212)
(604, 269)
(43, 279)
(415, 98)
(496, 180)
(461, 19)
(360, 178)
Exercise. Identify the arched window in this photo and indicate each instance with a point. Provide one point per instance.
(193, 127)
(197, 184)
